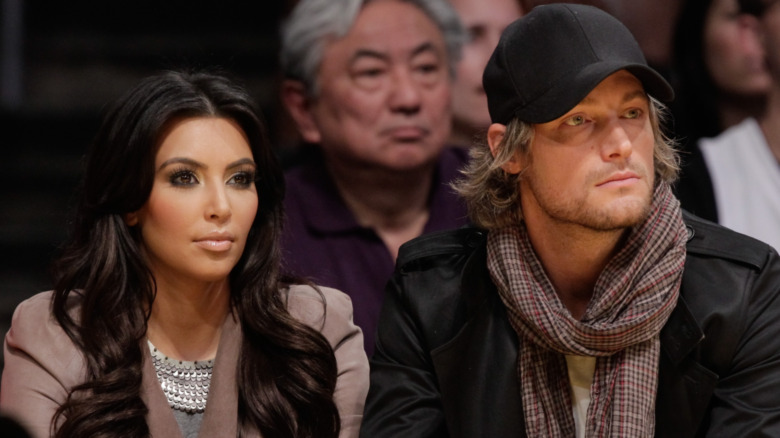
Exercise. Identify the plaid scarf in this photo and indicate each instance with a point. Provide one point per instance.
(633, 297)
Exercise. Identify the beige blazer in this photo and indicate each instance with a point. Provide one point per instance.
(42, 365)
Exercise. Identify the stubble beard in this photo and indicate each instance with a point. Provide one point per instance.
(620, 214)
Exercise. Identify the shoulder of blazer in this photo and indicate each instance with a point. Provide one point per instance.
(459, 242)
(710, 239)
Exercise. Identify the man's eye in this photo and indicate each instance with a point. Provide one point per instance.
(370, 72)
(633, 113)
(575, 120)
(428, 68)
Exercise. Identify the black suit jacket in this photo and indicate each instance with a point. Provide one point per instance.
(446, 358)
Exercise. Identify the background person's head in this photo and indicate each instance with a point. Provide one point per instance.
(527, 88)
(768, 14)
(483, 23)
(719, 67)
(370, 81)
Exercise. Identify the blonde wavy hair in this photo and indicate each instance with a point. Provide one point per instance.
(492, 195)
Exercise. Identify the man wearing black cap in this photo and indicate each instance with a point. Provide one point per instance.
(584, 303)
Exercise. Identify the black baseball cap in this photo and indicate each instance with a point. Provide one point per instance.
(547, 61)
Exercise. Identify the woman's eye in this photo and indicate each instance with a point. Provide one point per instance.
(242, 179)
(475, 33)
(183, 178)
(575, 120)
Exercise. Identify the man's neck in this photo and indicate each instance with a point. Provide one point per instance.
(573, 258)
(770, 122)
(393, 204)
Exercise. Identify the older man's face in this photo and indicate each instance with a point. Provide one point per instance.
(384, 90)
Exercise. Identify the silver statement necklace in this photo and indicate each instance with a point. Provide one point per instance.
(185, 383)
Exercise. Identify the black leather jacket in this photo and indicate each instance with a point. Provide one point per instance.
(446, 356)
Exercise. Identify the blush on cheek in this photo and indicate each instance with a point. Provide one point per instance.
(176, 216)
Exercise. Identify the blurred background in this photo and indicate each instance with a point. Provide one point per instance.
(61, 63)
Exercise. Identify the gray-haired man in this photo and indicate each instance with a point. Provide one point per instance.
(368, 82)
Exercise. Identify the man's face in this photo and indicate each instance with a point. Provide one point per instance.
(384, 90)
(593, 167)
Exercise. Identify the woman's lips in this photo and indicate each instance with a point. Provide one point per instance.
(215, 245)
(217, 242)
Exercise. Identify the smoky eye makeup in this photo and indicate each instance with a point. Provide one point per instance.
(243, 177)
(182, 177)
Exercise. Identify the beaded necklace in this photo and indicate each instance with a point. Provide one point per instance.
(185, 383)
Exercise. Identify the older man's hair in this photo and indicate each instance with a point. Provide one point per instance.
(314, 23)
(493, 195)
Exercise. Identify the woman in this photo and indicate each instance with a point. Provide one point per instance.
(720, 78)
(173, 270)
(719, 68)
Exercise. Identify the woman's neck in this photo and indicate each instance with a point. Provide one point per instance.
(733, 110)
(186, 319)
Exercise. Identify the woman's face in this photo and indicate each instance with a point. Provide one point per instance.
(195, 224)
(484, 22)
(733, 52)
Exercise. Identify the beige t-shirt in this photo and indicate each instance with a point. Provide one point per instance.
(581, 369)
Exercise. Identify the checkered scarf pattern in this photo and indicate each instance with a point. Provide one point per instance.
(633, 297)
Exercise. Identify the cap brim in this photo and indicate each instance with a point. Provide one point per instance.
(572, 88)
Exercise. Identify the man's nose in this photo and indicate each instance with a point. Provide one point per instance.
(406, 94)
(617, 144)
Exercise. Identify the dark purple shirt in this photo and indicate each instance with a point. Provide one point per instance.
(322, 240)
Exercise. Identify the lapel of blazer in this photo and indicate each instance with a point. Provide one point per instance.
(221, 415)
(159, 418)
(477, 369)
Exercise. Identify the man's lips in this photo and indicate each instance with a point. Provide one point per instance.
(619, 180)
(406, 133)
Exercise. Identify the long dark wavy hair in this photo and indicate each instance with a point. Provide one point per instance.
(696, 105)
(104, 290)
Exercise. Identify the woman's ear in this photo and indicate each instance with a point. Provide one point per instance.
(131, 219)
(495, 136)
